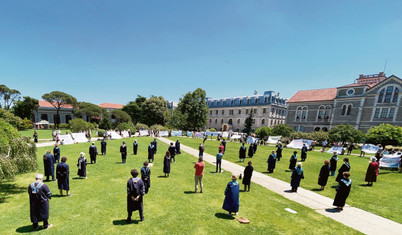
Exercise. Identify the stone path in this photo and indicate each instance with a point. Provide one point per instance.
(353, 217)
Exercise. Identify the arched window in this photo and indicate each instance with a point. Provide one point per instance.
(210, 120)
(230, 122)
(388, 94)
(380, 96)
(304, 113)
(344, 107)
(317, 129)
(321, 112)
(349, 109)
(216, 120)
(263, 122)
(221, 121)
(395, 98)
(298, 113)
(238, 121)
(325, 129)
(327, 111)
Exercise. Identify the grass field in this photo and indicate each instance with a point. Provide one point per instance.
(42, 133)
(383, 199)
(98, 204)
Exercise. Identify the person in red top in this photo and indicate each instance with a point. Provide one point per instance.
(199, 172)
(372, 172)
(221, 148)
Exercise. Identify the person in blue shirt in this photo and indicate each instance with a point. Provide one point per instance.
(219, 157)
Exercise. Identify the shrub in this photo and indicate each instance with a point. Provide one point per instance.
(79, 125)
(10, 118)
(283, 130)
(64, 126)
(105, 124)
(125, 126)
(263, 132)
(25, 124)
(211, 130)
(100, 132)
(141, 126)
(385, 134)
(157, 127)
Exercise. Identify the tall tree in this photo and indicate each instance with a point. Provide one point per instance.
(59, 100)
(282, 130)
(177, 120)
(90, 111)
(120, 116)
(25, 108)
(134, 110)
(154, 111)
(9, 96)
(248, 123)
(194, 108)
(345, 133)
(385, 134)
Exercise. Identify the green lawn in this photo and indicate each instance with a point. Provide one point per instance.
(42, 133)
(98, 204)
(382, 199)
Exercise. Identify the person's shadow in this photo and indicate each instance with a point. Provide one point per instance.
(28, 229)
(224, 216)
(332, 210)
(123, 222)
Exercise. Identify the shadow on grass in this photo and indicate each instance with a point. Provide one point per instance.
(364, 185)
(332, 210)
(288, 191)
(28, 229)
(123, 222)
(189, 192)
(316, 189)
(224, 216)
(334, 186)
(118, 163)
(8, 189)
(58, 195)
(161, 176)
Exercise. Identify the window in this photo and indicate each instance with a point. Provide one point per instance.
(263, 122)
(240, 102)
(221, 121)
(215, 102)
(238, 121)
(210, 112)
(327, 111)
(44, 117)
(376, 113)
(223, 112)
(255, 100)
(317, 129)
(380, 96)
(391, 113)
(273, 111)
(349, 109)
(210, 120)
(248, 101)
(224, 102)
(266, 100)
(264, 110)
(343, 109)
(255, 111)
(321, 112)
(216, 120)
(298, 113)
(68, 118)
(395, 98)
(231, 112)
(239, 111)
(324, 129)
(384, 112)
(232, 102)
(216, 112)
(388, 94)
(304, 113)
(246, 111)
(230, 122)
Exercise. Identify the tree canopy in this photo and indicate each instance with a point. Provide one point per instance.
(25, 108)
(263, 131)
(59, 100)
(120, 116)
(345, 133)
(385, 134)
(248, 123)
(193, 109)
(154, 111)
(90, 110)
(8, 96)
(133, 109)
(283, 130)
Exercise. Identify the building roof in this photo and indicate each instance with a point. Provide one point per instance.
(45, 104)
(314, 95)
(111, 106)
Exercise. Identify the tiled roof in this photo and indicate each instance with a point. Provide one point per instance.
(314, 95)
(45, 104)
(111, 106)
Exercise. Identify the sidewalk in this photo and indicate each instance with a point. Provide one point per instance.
(353, 217)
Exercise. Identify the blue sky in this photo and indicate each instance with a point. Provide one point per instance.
(112, 51)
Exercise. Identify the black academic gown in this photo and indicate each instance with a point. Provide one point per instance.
(224, 145)
(82, 171)
(39, 202)
(172, 151)
(342, 192)
(251, 150)
(155, 146)
(103, 147)
(271, 162)
(48, 163)
(166, 165)
(135, 148)
(248, 173)
(93, 151)
(255, 145)
(56, 153)
(345, 167)
(297, 176)
(333, 163)
(242, 152)
(123, 152)
(303, 153)
(151, 152)
(146, 177)
(63, 175)
(200, 151)
(279, 152)
(177, 145)
(135, 187)
(292, 162)
(323, 177)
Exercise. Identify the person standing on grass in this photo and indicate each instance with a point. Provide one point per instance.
(303, 153)
(250, 153)
(63, 175)
(271, 162)
(342, 191)
(219, 157)
(224, 145)
(56, 153)
(344, 168)
(35, 137)
(333, 162)
(255, 145)
(135, 147)
(201, 150)
(324, 174)
(372, 172)
(177, 146)
(146, 176)
(199, 172)
(242, 152)
(248, 173)
(151, 152)
(82, 166)
(221, 148)
(39, 195)
(48, 164)
(172, 151)
(155, 144)
(166, 164)
(279, 152)
(362, 153)
(350, 148)
(297, 176)
(293, 161)
(93, 152)
(123, 152)
(135, 193)
(231, 202)
(103, 146)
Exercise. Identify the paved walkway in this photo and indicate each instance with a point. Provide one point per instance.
(353, 217)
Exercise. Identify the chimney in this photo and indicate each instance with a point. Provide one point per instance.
(381, 74)
(361, 76)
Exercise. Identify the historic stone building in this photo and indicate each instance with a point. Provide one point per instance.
(369, 101)
(230, 113)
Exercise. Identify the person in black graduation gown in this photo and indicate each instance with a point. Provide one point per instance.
(146, 176)
(342, 191)
(255, 145)
(135, 147)
(155, 144)
(177, 145)
(39, 195)
(344, 168)
(324, 174)
(93, 151)
(297, 176)
(48, 164)
(242, 153)
(333, 162)
(103, 147)
(151, 152)
(303, 153)
(201, 150)
(248, 173)
(123, 152)
(135, 193)
(279, 152)
(224, 145)
(166, 164)
(293, 161)
(172, 151)
(271, 162)
(56, 153)
(82, 166)
(35, 137)
(63, 175)
(250, 150)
